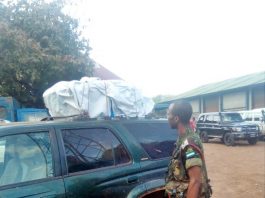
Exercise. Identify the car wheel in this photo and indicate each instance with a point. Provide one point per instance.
(229, 139)
(252, 141)
(204, 136)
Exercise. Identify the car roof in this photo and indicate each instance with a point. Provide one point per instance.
(64, 122)
(210, 113)
(254, 110)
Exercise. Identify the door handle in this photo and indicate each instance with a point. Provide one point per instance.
(133, 179)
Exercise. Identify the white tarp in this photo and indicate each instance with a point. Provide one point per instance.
(97, 98)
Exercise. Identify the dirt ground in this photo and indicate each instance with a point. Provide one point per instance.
(238, 171)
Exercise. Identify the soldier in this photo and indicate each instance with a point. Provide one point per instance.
(187, 175)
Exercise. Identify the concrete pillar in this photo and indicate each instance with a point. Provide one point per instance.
(220, 103)
(249, 99)
(201, 104)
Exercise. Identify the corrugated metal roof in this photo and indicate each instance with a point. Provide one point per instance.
(233, 83)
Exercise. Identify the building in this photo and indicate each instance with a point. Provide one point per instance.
(236, 94)
(104, 74)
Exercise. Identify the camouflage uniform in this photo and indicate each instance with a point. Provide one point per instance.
(188, 153)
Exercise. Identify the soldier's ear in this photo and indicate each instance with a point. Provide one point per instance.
(176, 118)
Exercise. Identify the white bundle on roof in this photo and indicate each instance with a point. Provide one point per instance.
(96, 98)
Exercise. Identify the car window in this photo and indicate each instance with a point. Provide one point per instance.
(248, 117)
(231, 117)
(88, 149)
(257, 117)
(201, 119)
(25, 157)
(216, 119)
(209, 119)
(157, 139)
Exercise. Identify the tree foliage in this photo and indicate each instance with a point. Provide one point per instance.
(39, 45)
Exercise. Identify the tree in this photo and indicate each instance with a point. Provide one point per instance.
(40, 45)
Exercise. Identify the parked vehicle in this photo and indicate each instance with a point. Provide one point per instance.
(90, 158)
(227, 126)
(4, 121)
(11, 110)
(256, 116)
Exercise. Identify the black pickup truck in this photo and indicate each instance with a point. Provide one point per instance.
(228, 126)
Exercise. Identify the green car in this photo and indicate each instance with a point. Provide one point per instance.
(100, 158)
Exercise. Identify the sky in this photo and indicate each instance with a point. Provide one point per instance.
(169, 47)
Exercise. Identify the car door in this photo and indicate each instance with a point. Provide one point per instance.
(208, 125)
(29, 165)
(217, 130)
(97, 163)
(200, 124)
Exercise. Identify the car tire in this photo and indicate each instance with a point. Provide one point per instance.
(204, 136)
(229, 139)
(252, 141)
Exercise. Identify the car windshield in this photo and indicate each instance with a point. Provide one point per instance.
(231, 117)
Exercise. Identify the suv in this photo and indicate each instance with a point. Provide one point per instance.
(228, 126)
(256, 116)
(100, 158)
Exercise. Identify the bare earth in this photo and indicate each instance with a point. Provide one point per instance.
(238, 171)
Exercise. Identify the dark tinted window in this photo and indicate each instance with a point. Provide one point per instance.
(157, 139)
(92, 148)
